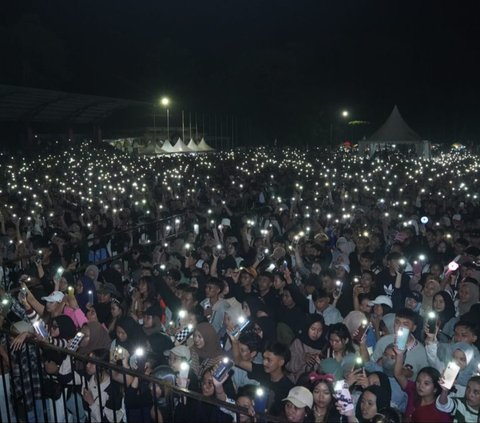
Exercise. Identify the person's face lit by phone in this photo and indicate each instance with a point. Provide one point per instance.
(403, 322)
(460, 358)
(438, 303)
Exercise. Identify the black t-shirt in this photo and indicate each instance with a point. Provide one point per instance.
(277, 390)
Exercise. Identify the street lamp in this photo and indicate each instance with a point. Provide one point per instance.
(165, 102)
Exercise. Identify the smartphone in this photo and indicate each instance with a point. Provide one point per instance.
(338, 287)
(402, 338)
(224, 367)
(450, 374)
(184, 370)
(342, 394)
(362, 329)
(76, 341)
(358, 363)
(261, 400)
(432, 322)
(40, 328)
(183, 334)
(243, 323)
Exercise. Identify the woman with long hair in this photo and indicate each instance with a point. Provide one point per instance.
(206, 351)
(340, 346)
(324, 403)
(444, 307)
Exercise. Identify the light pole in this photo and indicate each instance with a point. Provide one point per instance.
(165, 102)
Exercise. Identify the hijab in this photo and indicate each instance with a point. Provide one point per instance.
(99, 339)
(305, 339)
(449, 310)
(211, 349)
(465, 374)
(382, 400)
(474, 296)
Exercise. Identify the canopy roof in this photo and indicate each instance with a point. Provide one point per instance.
(21, 104)
(395, 129)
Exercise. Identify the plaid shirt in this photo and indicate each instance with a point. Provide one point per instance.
(25, 363)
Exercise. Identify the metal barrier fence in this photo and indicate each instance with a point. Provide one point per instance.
(28, 393)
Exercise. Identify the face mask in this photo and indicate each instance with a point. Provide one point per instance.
(388, 365)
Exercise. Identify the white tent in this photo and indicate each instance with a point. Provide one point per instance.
(203, 146)
(192, 145)
(395, 131)
(180, 147)
(167, 147)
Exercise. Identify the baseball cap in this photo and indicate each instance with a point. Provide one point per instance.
(300, 397)
(180, 351)
(226, 222)
(415, 295)
(54, 297)
(381, 299)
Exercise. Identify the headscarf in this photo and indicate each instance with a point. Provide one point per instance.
(465, 374)
(474, 296)
(211, 349)
(82, 298)
(354, 320)
(382, 400)
(99, 339)
(389, 322)
(305, 339)
(95, 269)
(135, 335)
(66, 327)
(449, 310)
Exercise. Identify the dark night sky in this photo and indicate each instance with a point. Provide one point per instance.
(289, 66)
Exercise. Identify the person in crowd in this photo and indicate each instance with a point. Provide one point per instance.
(306, 350)
(206, 351)
(324, 402)
(298, 405)
(463, 408)
(372, 401)
(340, 346)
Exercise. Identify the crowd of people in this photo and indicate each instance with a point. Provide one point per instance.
(314, 286)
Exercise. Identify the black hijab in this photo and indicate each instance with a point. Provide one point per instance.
(319, 344)
(135, 335)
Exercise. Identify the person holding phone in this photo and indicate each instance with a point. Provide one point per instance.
(306, 349)
(421, 394)
(324, 402)
(463, 409)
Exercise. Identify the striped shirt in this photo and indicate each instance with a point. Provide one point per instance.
(459, 409)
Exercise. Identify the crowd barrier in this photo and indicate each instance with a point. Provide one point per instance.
(54, 405)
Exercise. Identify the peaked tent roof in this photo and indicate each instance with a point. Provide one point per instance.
(192, 145)
(167, 146)
(395, 129)
(180, 147)
(158, 149)
(203, 146)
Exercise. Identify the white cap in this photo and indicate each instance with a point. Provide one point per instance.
(226, 222)
(54, 297)
(300, 397)
(381, 299)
